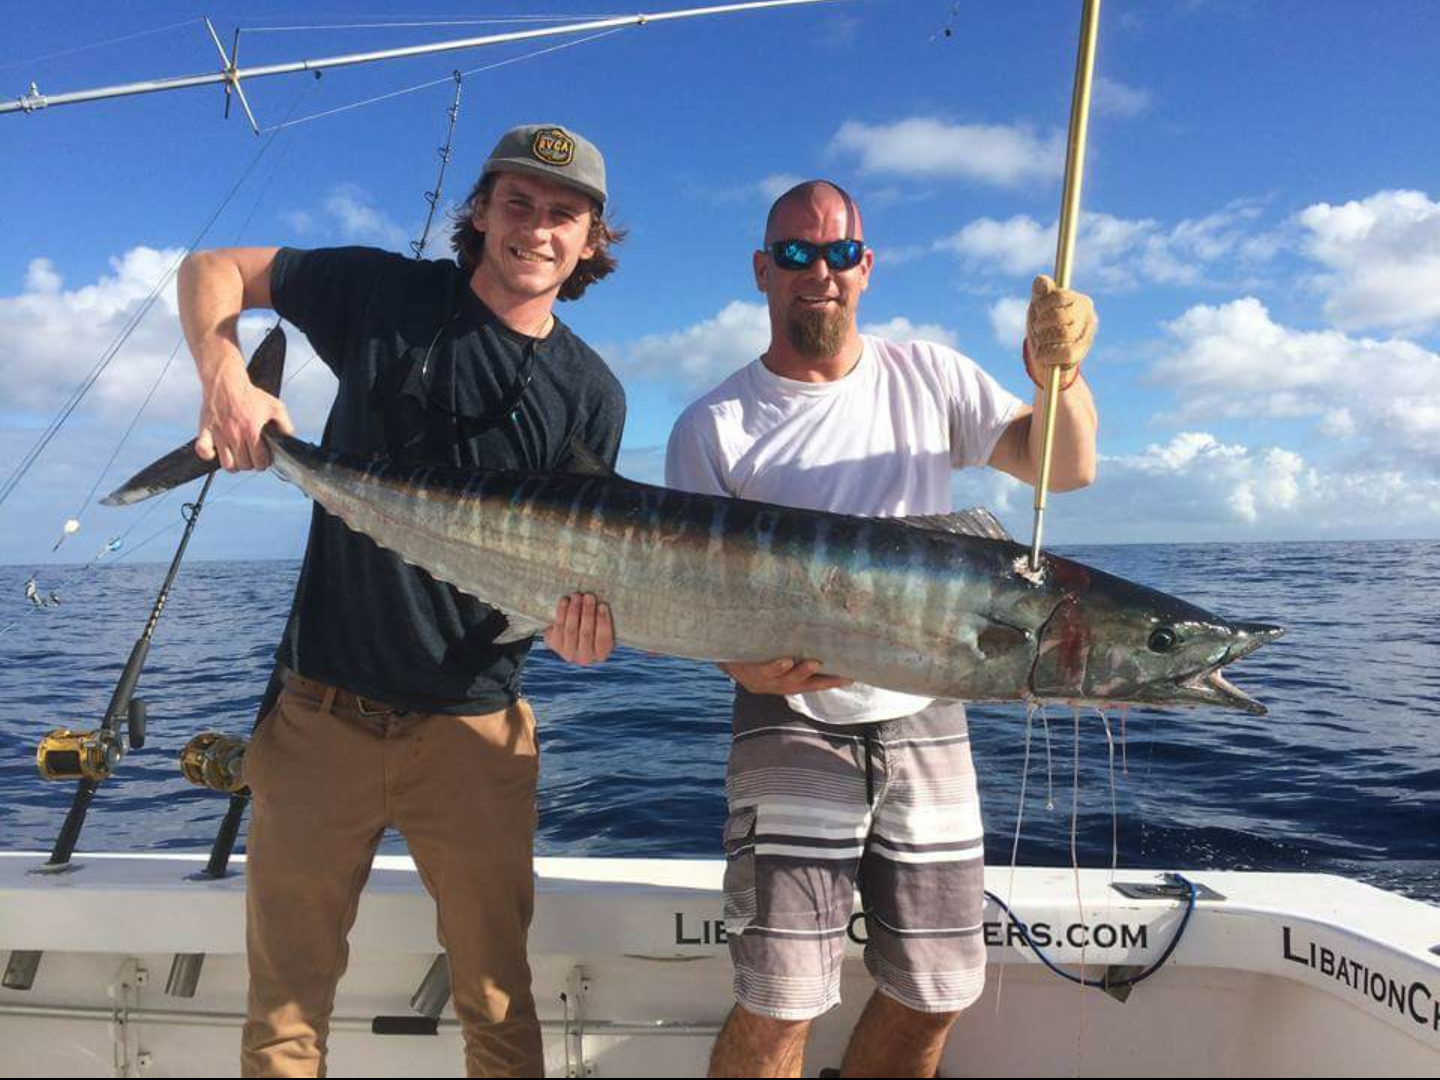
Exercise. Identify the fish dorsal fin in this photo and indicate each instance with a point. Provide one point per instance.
(976, 521)
(585, 461)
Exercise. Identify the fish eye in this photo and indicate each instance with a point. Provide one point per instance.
(1163, 640)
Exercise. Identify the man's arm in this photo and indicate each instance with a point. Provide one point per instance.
(214, 288)
(1060, 327)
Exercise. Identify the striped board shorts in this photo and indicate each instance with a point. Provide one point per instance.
(817, 810)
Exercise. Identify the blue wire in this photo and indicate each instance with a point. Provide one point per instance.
(1105, 984)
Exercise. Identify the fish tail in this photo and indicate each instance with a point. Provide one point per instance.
(181, 465)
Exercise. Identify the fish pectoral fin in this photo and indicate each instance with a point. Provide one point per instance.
(585, 461)
(976, 521)
(517, 628)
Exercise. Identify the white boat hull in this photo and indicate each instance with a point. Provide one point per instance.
(1288, 975)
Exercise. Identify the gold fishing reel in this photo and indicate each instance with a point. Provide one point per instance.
(214, 761)
(78, 755)
(91, 755)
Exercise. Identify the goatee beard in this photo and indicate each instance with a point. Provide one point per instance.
(817, 332)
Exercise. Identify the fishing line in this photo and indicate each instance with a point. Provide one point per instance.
(78, 575)
(1124, 711)
(108, 355)
(1106, 983)
(155, 386)
(1030, 709)
(493, 20)
(948, 30)
(1145, 776)
(1049, 763)
(1114, 806)
(1075, 867)
(438, 82)
(100, 44)
(134, 420)
(239, 483)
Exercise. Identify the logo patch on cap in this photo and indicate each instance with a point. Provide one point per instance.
(553, 147)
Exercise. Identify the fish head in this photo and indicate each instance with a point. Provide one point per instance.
(1110, 641)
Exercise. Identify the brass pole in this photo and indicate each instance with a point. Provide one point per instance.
(1065, 244)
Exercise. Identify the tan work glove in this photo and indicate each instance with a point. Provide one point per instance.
(1059, 329)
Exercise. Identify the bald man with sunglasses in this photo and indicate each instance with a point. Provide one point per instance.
(832, 784)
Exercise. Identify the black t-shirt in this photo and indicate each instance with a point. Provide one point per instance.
(364, 620)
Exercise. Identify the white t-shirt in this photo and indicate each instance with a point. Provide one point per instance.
(880, 442)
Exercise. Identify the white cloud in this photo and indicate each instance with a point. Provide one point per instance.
(902, 329)
(1017, 245)
(776, 184)
(1114, 98)
(998, 154)
(1196, 479)
(299, 221)
(703, 354)
(1383, 258)
(348, 214)
(41, 277)
(1116, 253)
(1234, 360)
(52, 337)
(1198, 487)
(699, 356)
(359, 221)
(1007, 319)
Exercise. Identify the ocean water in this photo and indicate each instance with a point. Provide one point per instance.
(1342, 777)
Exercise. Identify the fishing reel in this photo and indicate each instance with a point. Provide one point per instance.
(215, 761)
(90, 755)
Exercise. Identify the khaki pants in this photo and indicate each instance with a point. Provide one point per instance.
(328, 774)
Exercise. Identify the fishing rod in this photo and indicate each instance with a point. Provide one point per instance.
(91, 757)
(1065, 242)
(231, 75)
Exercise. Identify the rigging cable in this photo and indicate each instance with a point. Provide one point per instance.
(438, 82)
(99, 479)
(79, 574)
(100, 44)
(494, 20)
(78, 394)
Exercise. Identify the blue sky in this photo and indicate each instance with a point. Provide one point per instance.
(1261, 231)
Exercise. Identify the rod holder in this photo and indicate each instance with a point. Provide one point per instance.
(21, 968)
(433, 993)
(184, 974)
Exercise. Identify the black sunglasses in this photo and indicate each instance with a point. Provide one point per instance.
(801, 254)
(507, 408)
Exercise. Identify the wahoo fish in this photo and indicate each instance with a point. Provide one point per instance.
(942, 606)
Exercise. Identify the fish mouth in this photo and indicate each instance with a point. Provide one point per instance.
(1209, 687)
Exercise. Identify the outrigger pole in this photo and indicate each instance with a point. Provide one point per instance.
(231, 75)
(1065, 244)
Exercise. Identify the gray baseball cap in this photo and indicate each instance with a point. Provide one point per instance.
(553, 152)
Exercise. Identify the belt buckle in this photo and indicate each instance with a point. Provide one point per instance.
(363, 711)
